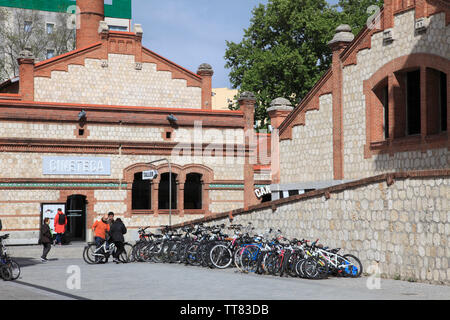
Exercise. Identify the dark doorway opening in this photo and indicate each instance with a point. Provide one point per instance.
(76, 218)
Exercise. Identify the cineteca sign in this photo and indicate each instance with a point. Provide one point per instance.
(86, 166)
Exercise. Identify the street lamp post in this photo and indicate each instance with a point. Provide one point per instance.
(170, 187)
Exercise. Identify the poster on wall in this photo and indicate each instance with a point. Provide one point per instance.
(50, 210)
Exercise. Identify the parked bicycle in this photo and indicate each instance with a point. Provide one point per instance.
(97, 255)
(9, 269)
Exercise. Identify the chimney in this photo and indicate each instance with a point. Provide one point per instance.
(92, 12)
(26, 75)
(206, 72)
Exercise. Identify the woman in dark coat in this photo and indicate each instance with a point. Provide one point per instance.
(45, 239)
(116, 232)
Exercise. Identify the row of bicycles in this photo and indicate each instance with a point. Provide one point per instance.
(268, 253)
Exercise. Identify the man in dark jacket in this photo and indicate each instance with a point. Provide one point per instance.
(45, 239)
(116, 232)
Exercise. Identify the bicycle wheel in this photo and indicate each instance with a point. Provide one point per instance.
(249, 259)
(220, 256)
(299, 268)
(89, 254)
(5, 272)
(154, 252)
(174, 255)
(14, 268)
(237, 257)
(192, 254)
(310, 268)
(292, 263)
(352, 266)
(125, 256)
(275, 261)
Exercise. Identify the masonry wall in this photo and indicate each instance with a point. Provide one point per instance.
(116, 81)
(435, 41)
(309, 155)
(403, 227)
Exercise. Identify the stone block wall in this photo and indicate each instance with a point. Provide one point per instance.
(401, 222)
(310, 144)
(117, 81)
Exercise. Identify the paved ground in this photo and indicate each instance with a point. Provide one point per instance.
(135, 281)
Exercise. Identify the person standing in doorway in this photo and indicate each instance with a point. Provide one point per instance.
(60, 226)
(45, 239)
(118, 229)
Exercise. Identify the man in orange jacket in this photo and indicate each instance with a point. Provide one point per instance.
(100, 228)
(60, 225)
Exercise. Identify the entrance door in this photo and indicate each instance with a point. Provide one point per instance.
(76, 218)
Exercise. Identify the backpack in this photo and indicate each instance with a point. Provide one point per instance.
(62, 219)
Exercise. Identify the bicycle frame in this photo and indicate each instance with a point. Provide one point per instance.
(106, 251)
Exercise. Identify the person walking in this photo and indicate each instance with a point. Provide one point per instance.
(45, 239)
(118, 229)
(60, 226)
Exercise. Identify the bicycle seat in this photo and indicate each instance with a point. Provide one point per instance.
(4, 237)
(158, 236)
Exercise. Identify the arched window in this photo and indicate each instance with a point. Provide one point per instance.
(193, 191)
(163, 195)
(407, 105)
(141, 193)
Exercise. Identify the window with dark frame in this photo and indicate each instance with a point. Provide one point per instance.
(163, 192)
(141, 193)
(385, 101)
(193, 191)
(443, 101)
(413, 115)
(27, 26)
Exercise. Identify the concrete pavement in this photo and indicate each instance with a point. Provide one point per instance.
(67, 276)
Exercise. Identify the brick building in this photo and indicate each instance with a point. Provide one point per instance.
(382, 106)
(78, 130)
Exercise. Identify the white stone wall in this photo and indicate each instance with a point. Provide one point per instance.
(29, 165)
(117, 84)
(404, 228)
(225, 200)
(199, 135)
(309, 155)
(10, 129)
(436, 41)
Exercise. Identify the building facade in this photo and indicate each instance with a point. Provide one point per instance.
(78, 130)
(382, 106)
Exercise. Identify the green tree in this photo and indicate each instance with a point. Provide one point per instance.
(284, 51)
(357, 12)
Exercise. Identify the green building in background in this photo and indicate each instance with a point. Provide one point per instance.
(117, 12)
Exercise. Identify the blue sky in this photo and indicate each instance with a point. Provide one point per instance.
(191, 32)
